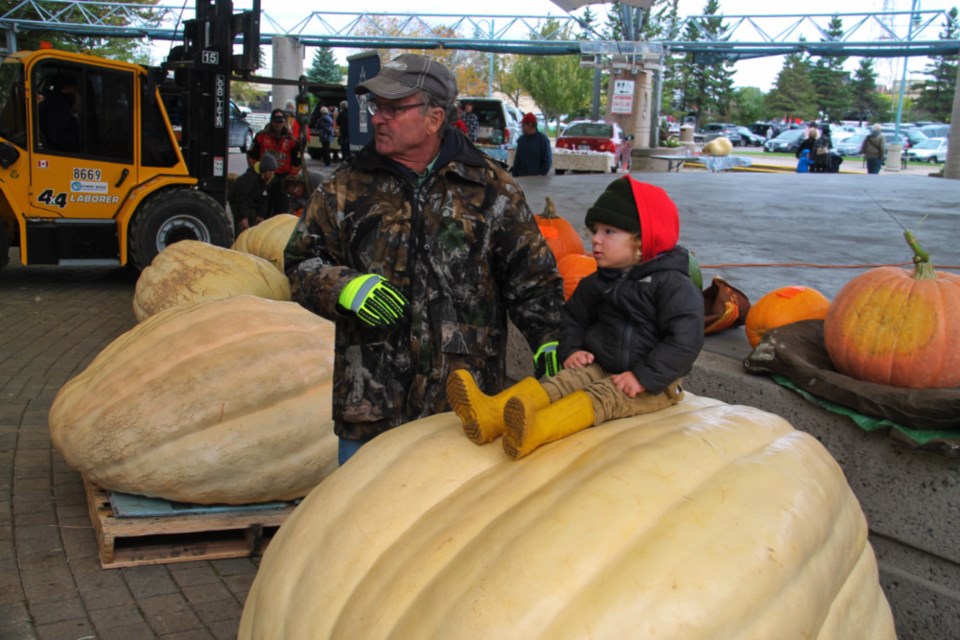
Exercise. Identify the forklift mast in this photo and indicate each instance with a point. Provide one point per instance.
(202, 68)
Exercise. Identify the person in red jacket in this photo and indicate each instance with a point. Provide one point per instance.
(275, 139)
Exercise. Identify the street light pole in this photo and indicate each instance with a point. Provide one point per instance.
(490, 70)
(906, 60)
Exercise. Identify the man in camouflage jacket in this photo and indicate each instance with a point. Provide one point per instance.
(447, 227)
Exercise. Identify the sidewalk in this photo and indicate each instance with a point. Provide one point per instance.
(759, 231)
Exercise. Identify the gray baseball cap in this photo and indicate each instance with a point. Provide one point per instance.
(408, 73)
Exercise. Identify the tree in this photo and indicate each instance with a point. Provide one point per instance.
(558, 84)
(794, 96)
(706, 81)
(936, 94)
(324, 67)
(830, 82)
(126, 49)
(866, 101)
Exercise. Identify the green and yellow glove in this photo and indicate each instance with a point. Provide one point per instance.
(545, 359)
(375, 301)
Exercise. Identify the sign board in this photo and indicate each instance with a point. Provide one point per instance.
(622, 99)
(360, 67)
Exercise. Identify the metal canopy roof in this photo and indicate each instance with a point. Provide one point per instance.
(892, 34)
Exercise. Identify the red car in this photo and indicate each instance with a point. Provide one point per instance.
(598, 137)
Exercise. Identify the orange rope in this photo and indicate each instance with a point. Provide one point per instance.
(734, 265)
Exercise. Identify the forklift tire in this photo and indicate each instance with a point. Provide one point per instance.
(173, 215)
(247, 141)
(4, 245)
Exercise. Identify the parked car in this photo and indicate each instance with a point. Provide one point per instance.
(914, 135)
(240, 133)
(787, 142)
(717, 129)
(936, 130)
(589, 135)
(850, 146)
(929, 150)
(750, 138)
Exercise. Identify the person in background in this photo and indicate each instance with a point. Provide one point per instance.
(533, 156)
(808, 143)
(248, 194)
(459, 123)
(472, 121)
(420, 249)
(874, 149)
(803, 164)
(275, 139)
(296, 192)
(821, 151)
(59, 120)
(630, 332)
(343, 131)
(326, 135)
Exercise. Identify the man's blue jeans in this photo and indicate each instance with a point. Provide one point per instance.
(347, 448)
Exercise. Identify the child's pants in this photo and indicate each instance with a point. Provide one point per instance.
(608, 401)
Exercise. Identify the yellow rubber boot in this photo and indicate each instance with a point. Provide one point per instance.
(482, 415)
(528, 427)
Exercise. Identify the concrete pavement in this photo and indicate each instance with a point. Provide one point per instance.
(758, 231)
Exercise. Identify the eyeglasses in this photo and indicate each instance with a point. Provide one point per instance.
(277, 120)
(389, 111)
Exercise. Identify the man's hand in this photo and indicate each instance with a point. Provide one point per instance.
(545, 360)
(375, 301)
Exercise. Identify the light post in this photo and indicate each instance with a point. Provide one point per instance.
(903, 78)
(489, 56)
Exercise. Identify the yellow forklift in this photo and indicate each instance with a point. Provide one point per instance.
(91, 172)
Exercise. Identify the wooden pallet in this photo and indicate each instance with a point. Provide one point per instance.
(131, 542)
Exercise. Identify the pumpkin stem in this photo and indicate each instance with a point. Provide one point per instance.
(549, 210)
(922, 269)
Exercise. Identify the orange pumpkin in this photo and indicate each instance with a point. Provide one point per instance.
(573, 268)
(895, 327)
(559, 234)
(784, 306)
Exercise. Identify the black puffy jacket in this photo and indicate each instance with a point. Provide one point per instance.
(647, 319)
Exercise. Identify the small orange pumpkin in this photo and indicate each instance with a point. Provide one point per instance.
(784, 306)
(895, 327)
(573, 268)
(558, 232)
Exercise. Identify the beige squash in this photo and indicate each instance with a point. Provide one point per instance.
(268, 239)
(190, 271)
(225, 401)
(703, 521)
(719, 146)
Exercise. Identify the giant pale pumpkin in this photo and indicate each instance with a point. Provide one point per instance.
(898, 327)
(268, 239)
(702, 521)
(225, 401)
(190, 271)
(784, 306)
(558, 232)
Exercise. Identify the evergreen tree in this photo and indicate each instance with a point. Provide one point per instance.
(794, 96)
(936, 95)
(866, 101)
(324, 67)
(830, 81)
(706, 82)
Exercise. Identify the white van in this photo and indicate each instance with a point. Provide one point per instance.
(499, 125)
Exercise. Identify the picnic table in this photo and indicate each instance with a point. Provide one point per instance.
(713, 164)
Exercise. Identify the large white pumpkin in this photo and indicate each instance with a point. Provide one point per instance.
(225, 401)
(703, 521)
(190, 271)
(268, 240)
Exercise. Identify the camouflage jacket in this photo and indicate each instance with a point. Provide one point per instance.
(462, 246)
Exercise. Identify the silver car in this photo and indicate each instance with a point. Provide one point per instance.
(930, 150)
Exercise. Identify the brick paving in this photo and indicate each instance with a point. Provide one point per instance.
(51, 585)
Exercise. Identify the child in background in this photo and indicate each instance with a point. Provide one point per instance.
(630, 332)
(804, 163)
